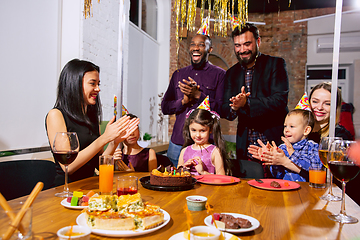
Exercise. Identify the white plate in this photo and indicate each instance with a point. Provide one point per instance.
(180, 236)
(80, 220)
(68, 205)
(254, 222)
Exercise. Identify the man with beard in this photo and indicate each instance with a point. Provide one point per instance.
(256, 92)
(188, 87)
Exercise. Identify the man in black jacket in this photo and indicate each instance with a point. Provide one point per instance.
(256, 91)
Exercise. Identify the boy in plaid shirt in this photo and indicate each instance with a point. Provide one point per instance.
(292, 159)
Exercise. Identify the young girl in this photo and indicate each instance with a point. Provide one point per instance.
(133, 156)
(197, 153)
(291, 161)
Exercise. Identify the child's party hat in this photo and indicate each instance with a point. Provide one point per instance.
(205, 104)
(303, 103)
(124, 111)
(234, 22)
(204, 29)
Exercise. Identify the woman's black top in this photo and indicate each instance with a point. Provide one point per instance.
(86, 136)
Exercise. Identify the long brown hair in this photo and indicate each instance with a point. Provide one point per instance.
(324, 132)
(206, 118)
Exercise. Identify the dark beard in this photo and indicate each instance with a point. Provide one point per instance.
(245, 62)
(199, 65)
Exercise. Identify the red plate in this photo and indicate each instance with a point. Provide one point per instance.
(266, 184)
(216, 179)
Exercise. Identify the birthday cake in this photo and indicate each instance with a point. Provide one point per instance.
(170, 176)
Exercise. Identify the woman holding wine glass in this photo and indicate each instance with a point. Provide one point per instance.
(78, 109)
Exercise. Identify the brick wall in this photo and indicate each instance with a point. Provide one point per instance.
(279, 37)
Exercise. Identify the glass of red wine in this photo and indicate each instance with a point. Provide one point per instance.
(65, 149)
(343, 169)
(324, 146)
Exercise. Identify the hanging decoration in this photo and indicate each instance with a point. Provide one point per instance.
(88, 8)
(222, 12)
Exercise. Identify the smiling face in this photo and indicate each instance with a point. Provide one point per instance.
(91, 87)
(320, 102)
(246, 48)
(295, 129)
(199, 49)
(199, 134)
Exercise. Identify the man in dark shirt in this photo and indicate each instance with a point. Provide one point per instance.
(188, 87)
(256, 91)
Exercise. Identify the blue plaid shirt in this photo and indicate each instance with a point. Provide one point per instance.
(306, 154)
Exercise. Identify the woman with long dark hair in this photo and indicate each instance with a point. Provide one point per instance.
(78, 109)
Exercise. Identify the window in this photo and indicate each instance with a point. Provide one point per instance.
(144, 16)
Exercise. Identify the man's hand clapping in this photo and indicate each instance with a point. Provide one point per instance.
(239, 100)
(190, 89)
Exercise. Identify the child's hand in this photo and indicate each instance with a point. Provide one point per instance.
(199, 166)
(257, 151)
(288, 145)
(191, 162)
(117, 155)
(274, 157)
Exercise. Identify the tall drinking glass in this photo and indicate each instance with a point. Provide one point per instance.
(344, 170)
(65, 149)
(324, 146)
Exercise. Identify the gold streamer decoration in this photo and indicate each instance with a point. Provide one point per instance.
(88, 8)
(177, 9)
(223, 13)
(183, 12)
(191, 15)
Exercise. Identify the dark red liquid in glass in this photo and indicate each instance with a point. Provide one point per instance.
(125, 191)
(65, 157)
(344, 171)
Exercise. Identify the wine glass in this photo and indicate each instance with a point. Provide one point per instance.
(344, 169)
(65, 149)
(324, 146)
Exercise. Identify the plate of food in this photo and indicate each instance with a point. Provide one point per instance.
(182, 236)
(66, 204)
(78, 200)
(274, 184)
(236, 223)
(145, 182)
(81, 220)
(217, 179)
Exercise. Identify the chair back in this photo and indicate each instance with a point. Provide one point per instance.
(247, 169)
(19, 177)
(163, 160)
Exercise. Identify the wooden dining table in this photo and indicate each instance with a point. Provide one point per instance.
(294, 214)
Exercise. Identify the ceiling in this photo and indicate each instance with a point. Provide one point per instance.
(268, 6)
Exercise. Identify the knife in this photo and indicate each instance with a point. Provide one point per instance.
(259, 180)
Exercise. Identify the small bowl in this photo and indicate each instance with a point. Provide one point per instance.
(76, 229)
(196, 203)
(215, 233)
